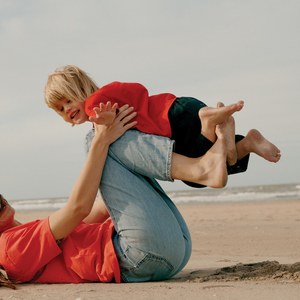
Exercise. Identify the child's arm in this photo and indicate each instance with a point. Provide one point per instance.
(105, 114)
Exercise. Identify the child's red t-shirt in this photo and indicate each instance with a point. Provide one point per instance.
(152, 111)
(30, 253)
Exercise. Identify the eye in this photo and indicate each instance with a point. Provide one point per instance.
(2, 204)
(62, 109)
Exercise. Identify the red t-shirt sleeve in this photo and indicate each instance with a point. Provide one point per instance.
(152, 111)
(26, 249)
(117, 92)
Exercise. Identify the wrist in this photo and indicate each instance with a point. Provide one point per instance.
(101, 141)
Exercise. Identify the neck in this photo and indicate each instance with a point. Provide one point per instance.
(14, 223)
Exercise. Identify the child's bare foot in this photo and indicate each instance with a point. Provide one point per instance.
(228, 127)
(256, 143)
(211, 116)
(216, 115)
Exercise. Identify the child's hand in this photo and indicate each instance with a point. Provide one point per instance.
(105, 114)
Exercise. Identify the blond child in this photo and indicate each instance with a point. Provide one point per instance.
(188, 121)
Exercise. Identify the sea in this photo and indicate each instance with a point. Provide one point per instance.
(279, 192)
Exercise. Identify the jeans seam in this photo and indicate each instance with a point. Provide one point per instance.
(169, 160)
(146, 257)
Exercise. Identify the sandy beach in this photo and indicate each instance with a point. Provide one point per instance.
(240, 251)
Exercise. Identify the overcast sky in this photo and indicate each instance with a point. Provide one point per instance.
(212, 50)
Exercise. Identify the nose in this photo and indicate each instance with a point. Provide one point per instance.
(67, 109)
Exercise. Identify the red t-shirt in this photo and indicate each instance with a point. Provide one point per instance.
(30, 253)
(152, 111)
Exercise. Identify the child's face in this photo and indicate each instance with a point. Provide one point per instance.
(72, 111)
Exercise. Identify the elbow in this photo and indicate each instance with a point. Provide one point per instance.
(80, 211)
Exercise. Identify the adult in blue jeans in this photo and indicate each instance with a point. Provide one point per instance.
(146, 237)
(151, 239)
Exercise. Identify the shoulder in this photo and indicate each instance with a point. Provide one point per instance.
(116, 91)
(27, 232)
(120, 85)
(27, 248)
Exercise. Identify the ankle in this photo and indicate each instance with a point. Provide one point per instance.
(243, 148)
(209, 132)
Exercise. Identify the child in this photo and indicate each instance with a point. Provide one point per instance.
(188, 121)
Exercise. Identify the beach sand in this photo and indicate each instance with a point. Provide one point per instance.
(240, 251)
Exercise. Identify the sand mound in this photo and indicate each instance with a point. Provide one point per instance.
(266, 270)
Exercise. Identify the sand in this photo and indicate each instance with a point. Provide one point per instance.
(240, 251)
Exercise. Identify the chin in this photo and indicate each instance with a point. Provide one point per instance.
(78, 122)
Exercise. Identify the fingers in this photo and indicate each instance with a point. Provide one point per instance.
(124, 116)
(122, 108)
(124, 112)
(115, 106)
(129, 125)
(102, 107)
(127, 119)
(98, 110)
(122, 121)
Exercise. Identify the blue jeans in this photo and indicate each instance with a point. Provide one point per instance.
(151, 239)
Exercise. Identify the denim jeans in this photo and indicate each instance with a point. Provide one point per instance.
(151, 239)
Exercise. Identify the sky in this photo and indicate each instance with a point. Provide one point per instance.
(211, 50)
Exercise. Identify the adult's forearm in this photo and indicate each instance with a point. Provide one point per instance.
(86, 186)
(83, 194)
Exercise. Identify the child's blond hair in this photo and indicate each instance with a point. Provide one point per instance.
(68, 82)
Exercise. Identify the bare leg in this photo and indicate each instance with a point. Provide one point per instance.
(256, 143)
(229, 132)
(211, 116)
(209, 169)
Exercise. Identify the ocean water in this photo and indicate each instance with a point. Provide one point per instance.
(282, 192)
